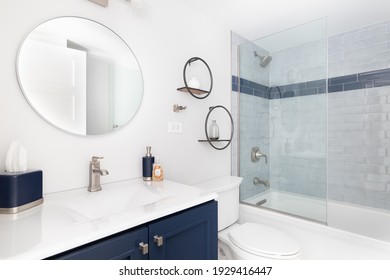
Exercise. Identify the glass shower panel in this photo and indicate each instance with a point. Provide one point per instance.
(283, 121)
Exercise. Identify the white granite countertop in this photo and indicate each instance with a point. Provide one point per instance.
(72, 218)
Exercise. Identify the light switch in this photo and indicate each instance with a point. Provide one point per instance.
(175, 127)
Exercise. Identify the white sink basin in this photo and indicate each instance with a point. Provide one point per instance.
(115, 198)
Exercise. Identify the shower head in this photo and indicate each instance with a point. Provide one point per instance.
(264, 60)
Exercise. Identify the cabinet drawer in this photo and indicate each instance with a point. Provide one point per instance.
(122, 246)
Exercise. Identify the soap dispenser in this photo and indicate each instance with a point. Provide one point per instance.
(147, 164)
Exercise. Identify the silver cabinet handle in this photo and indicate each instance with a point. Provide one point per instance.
(144, 247)
(159, 240)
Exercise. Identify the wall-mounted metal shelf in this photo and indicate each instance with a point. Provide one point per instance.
(219, 140)
(193, 90)
(210, 141)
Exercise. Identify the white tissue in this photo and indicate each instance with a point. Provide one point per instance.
(16, 159)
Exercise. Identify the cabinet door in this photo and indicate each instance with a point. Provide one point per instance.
(188, 235)
(122, 246)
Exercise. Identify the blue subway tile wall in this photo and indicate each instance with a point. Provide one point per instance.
(370, 79)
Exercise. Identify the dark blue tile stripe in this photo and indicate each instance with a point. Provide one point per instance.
(376, 78)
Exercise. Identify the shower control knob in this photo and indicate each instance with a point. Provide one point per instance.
(256, 154)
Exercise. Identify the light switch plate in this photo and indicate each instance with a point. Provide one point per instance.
(175, 127)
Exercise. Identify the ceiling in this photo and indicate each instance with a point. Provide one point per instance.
(254, 19)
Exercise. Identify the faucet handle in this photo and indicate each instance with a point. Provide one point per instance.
(256, 154)
(96, 159)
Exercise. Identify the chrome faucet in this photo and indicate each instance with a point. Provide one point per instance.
(94, 174)
(257, 181)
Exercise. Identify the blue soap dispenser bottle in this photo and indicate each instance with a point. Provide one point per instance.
(147, 165)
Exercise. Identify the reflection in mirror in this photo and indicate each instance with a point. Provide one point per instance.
(80, 76)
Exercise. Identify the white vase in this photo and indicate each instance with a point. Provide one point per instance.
(213, 130)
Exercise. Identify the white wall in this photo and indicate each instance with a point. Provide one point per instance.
(163, 37)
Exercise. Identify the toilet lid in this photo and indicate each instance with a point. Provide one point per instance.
(263, 240)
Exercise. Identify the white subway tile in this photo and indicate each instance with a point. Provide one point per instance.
(380, 143)
(377, 117)
(378, 178)
(378, 160)
(362, 52)
(376, 152)
(375, 186)
(354, 180)
(346, 126)
(335, 102)
(356, 118)
(377, 126)
(376, 100)
(377, 56)
(353, 151)
(375, 169)
(336, 149)
(355, 168)
(344, 142)
(377, 91)
(376, 134)
(354, 101)
(351, 65)
(348, 110)
(383, 38)
(378, 108)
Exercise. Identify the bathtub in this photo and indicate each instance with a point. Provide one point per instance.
(362, 220)
(351, 232)
(300, 205)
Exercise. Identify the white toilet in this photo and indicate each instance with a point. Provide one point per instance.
(247, 241)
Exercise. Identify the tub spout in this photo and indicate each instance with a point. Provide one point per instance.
(257, 181)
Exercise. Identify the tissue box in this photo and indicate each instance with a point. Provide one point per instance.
(20, 191)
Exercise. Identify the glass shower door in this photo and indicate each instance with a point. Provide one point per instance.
(283, 121)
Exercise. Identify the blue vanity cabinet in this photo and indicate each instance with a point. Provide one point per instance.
(187, 235)
(122, 246)
(190, 234)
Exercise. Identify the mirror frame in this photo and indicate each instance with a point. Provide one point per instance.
(17, 62)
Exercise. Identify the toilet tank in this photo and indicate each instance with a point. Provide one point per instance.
(227, 188)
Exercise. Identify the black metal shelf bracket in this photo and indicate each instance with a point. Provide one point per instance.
(231, 128)
(191, 91)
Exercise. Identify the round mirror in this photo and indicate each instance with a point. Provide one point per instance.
(80, 76)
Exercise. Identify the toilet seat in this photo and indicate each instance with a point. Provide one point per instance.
(264, 241)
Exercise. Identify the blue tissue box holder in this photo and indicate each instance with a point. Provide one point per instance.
(20, 191)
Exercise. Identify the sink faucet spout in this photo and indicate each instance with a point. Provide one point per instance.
(101, 172)
(95, 172)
